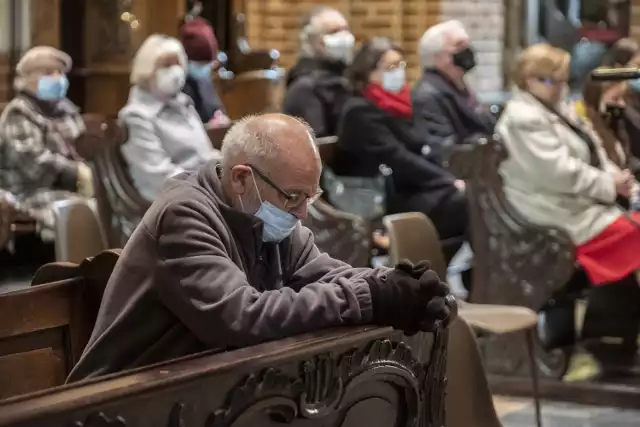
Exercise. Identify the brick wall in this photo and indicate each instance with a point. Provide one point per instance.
(486, 29)
(634, 30)
(275, 24)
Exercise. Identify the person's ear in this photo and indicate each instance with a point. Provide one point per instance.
(241, 181)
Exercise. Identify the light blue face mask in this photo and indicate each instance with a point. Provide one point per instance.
(52, 88)
(394, 80)
(278, 224)
(635, 85)
(200, 71)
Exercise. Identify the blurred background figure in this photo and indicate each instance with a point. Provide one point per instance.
(165, 133)
(38, 161)
(200, 45)
(315, 86)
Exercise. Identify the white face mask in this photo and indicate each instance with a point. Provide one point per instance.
(340, 46)
(393, 81)
(170, 80)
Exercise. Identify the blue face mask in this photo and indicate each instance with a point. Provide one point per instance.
(52, 88)
(278, 224)
(200, 71)
(635, 85)
(393, 81)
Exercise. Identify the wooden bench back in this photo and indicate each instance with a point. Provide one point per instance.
(45, 328)
(250, 92)
(121, 205)
(516, 262)
(350, 377)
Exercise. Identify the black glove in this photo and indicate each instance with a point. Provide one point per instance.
(409, 302)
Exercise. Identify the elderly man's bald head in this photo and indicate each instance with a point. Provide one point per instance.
(269, 139)
(270, 158)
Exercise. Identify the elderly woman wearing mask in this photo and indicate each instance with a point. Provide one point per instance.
(165, 133)
(559, 175)
(38, 161)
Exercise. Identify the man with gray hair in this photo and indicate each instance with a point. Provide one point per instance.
(221, 261)
(316, 88)
(444, 106)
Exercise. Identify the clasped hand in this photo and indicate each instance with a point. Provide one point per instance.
(411, 298)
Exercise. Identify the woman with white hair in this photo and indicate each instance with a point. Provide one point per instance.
(165, 133)
(38, 161)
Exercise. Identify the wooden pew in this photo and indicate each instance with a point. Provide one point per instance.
(249, 92)
(349, 377)
(45, 328)
(120, 204)
(516, 262)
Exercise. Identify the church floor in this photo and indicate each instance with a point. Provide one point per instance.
(517, 412)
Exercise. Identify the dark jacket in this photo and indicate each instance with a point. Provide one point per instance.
(315, 92)
(205, 99)
(195, 275)
(447, 114)
(369, 137)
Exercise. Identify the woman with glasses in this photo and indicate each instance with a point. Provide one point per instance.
(377, 129)
(558, 174)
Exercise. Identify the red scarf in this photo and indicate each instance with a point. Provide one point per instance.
(396, 104)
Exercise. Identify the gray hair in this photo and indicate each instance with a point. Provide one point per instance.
(35, 60)
(433, 40)
(311, 30)
(254, 139)
(156, 45)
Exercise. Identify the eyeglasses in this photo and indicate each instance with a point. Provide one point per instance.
(390, 67)
(293, 198)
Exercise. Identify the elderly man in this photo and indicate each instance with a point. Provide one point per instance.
(220, 261)
(316, 88)
(443, 105)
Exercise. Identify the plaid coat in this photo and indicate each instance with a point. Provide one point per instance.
(38, 163)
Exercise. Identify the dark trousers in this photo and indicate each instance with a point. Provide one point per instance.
(613, 311)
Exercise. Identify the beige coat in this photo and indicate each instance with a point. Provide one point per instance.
(547, 176)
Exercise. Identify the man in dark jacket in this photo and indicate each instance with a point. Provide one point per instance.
(444, 107)
(315, 86)
(220, 261)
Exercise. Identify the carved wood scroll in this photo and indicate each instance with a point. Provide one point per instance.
(378, 382)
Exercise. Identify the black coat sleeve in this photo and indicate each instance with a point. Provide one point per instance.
(301, 101)
(364, 129)
(433, 121)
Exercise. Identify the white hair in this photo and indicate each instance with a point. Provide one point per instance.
(33, 62)
(434, 40)
(311, 29)
(156, 45)
(255, 139)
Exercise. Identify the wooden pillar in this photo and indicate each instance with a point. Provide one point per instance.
(113, 32)
(45, 22)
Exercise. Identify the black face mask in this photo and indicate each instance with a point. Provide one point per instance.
(613, 112)
(465, 59)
